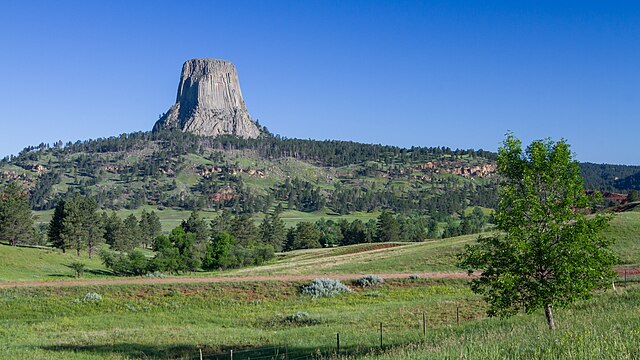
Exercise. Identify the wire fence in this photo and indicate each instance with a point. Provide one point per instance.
(627, 276)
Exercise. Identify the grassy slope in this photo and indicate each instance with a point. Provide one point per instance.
(174, 321)
(28, 264)
(170, 218)
(625, 229)
(439, 255)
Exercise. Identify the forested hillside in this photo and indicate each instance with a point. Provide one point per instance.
(184, 171)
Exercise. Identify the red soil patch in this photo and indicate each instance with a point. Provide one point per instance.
(218, 279)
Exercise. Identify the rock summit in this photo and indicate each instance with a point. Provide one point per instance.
(209, 102)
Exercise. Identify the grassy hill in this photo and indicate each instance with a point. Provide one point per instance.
(24, 264)
(184, 171)
(34, 264)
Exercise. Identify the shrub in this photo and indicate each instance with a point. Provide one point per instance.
(300, 318)
(156, 274)
(134, 263)
(325, 288)
(91, 297)
(78, 268)
(369, 281)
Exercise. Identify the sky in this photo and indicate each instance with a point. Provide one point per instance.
(409, 73)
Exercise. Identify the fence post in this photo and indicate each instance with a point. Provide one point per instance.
(381, 335)
(424, 323)
(337, 343)
(457, 314)
(200, 354)
(231, 355)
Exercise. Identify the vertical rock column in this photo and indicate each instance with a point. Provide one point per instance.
(209, 101)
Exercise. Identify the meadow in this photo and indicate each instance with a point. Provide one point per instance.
(37, 264)
(255, 321)
(273, 319)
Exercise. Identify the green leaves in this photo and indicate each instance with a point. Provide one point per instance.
(550, 253)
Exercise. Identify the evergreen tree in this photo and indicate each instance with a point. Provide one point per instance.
(56, 226)
(16, 220)
(388, 228)
(74, 229)
(222, 223)
(273, 232)
(95, 231)
(244, 230)
(304, 236)
(150, 227)
(114, 233)
(131, 235)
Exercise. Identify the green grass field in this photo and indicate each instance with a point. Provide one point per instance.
(170, 218)
(625, 229)
(176, 321)
(28, 264)
(25, 264)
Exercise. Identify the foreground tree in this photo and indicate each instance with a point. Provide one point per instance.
(16, 221)
(549, 253)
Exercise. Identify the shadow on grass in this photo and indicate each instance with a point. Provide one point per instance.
(86, 271)
(188, 351)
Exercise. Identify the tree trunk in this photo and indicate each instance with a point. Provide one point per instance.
(549, 314)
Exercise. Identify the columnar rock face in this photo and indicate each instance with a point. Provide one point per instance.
(209, 102)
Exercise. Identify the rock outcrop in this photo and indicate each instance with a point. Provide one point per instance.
(209, 102)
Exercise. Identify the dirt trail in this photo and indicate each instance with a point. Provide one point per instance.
(213, 279)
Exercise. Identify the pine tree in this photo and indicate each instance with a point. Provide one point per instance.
(388, 228)
(74, 231)
(16, 220)
(150, 227)
(244, 230)
(130, 233)
(93, 224)
(273, 231)
(56, 226)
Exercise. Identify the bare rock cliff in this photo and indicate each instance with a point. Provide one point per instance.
(209, 102)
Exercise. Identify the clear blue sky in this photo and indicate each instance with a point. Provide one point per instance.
(434, 73)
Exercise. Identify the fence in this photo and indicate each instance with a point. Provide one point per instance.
(284, 352)
(626, 277)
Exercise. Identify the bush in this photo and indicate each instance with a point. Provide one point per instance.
(91, 297)
(155, 274)
(135, 263)
(300, 318)
(78, 268)
(369, 281)
(325, 288)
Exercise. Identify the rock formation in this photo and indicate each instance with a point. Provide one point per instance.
(209, 102)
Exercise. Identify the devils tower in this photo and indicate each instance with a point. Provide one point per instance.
(209, 102)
